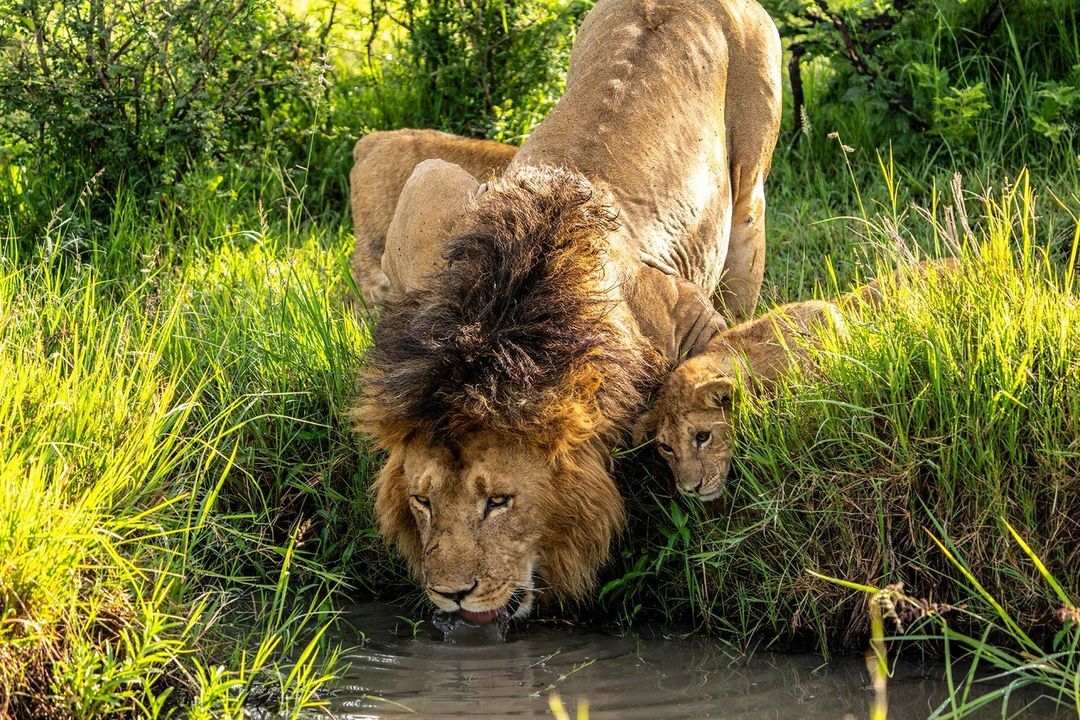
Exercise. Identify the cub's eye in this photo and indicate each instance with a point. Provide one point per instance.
(664, 448)
(495, 502)
(702, 437)
(421, 500)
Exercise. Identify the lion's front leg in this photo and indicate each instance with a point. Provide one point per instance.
(435, 196)
(383, 163)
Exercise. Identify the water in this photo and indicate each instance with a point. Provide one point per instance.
(400, 671)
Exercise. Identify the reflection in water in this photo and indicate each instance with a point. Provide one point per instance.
(399, 674)
(454, 629)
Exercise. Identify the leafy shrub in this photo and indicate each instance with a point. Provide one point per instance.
(141, 89)
(977, 78)
(489, 68)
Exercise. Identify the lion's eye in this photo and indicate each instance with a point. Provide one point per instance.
(702, 437)
(422, 501)
(664, 448)
(495, 502)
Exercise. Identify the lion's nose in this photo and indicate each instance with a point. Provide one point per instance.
(696, 490)
(455, 595)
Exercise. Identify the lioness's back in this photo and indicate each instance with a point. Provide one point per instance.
(668, 102)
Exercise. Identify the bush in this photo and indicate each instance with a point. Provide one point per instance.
(140, 90)
(975, 79)
(486, 68)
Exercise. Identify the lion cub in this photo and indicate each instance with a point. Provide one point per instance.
(692, 417)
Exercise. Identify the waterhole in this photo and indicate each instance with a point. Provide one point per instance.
(406, 668)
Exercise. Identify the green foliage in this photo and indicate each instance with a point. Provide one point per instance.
(999, 664)
(170, 443)
(1058, 111)
(485, 68)
(142, 89)
(986, 79)
(950, 406)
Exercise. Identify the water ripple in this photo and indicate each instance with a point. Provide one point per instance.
(398, 674)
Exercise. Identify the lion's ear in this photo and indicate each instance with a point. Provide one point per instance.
(431, 202)
(644, 427)
(715, 394)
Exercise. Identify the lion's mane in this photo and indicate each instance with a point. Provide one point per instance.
(516, 333)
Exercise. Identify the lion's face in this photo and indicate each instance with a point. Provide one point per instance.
(498, 385)
(692, 419)
(692, 422)
(695, 440)
(484, 524)
(476, 517)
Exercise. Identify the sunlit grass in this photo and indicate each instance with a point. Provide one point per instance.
(170, 456)
(953, 404)
(174, 466)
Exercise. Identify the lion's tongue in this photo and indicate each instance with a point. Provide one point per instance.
(478, 618)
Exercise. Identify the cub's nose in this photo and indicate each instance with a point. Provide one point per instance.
(696, 490)
(455, 595)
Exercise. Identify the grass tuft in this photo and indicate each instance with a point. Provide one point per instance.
(169, 457)
(953, 404)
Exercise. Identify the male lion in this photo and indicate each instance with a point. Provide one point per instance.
(543, 305)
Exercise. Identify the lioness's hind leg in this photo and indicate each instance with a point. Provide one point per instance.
(744, 268)
(753, 109)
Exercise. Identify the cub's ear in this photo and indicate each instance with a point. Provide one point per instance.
(644, 427)
(715, 394)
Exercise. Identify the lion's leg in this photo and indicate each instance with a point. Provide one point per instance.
(433, 199)
(753, 110)
(383, 163)
(744, 268)
(373, 189)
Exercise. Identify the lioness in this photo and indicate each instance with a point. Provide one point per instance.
(545, 303)
(692, 416)
(383, 162)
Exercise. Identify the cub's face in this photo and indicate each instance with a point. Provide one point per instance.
(693, 434)
(475, 512)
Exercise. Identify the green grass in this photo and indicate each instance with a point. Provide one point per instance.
(170, 457)
(183, 506)
(175, 465)
(174, 455)
(1000, 665)
(921, 458)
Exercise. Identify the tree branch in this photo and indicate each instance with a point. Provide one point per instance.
(845, 34)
